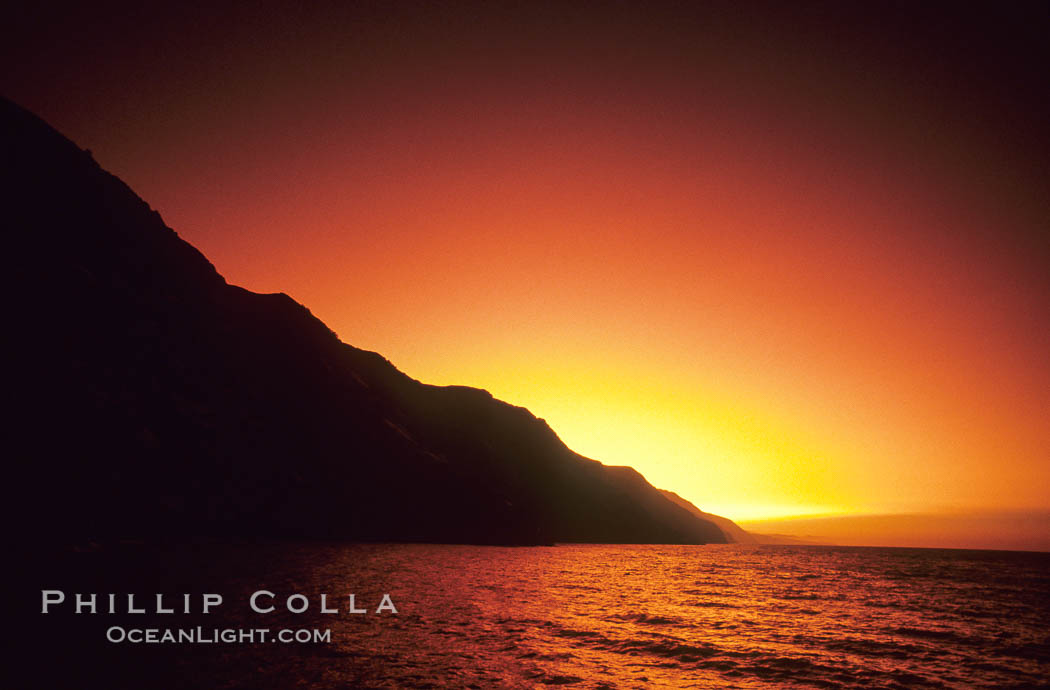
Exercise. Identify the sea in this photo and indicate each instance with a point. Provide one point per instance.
(581, 616)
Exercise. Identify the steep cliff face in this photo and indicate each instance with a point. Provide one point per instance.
(157, 399)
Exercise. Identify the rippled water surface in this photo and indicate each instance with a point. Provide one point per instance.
(633, 616)
(693, 616)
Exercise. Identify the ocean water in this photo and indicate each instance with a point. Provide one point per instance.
(600, 616)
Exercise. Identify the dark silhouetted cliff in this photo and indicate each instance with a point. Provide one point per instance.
(155, 399)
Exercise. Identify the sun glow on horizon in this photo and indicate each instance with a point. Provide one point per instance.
(701, 448)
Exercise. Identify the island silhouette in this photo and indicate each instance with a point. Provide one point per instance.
(157, 400)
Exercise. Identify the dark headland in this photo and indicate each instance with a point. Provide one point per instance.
(156, 400)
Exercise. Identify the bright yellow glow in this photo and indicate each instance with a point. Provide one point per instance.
(713, 451)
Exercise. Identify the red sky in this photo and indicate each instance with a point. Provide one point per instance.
(782, 261)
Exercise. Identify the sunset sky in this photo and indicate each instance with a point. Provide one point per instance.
(782, 261)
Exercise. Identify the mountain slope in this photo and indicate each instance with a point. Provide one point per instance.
(157, 399)
(733, 532)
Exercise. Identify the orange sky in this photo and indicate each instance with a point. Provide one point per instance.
(779, 269)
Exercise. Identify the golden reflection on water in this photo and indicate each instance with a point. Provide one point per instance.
(615, 616)
(584, 616)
